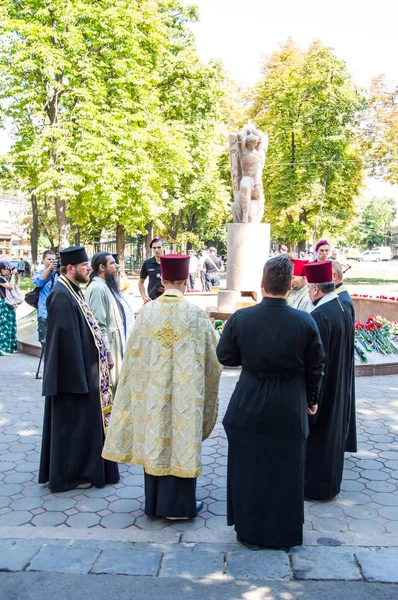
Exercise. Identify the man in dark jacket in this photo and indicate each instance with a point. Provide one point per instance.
(329, 427)
(266, 423)
(346, 300)
(76, 385)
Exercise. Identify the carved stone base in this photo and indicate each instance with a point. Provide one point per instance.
(248, 250)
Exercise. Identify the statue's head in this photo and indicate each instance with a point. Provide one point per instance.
(251, 140)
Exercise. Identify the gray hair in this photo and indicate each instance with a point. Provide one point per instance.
(336, 266)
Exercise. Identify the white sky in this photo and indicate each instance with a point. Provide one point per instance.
(242, 32)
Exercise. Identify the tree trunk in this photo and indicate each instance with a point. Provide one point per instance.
(300, 247)
(325, 183)
(148, 239)
(77, 236)
(63, 225)
(34, 234)
(120, 241)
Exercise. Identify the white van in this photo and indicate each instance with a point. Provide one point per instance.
(376, 255)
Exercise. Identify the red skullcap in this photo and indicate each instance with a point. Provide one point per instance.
(298, 267)
(174, 267)
(319, 272)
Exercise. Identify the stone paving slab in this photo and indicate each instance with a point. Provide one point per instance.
(379, 564)
(326, 563)
(364, 514)
(200, 561)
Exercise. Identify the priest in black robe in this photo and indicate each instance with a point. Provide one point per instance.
(329, 427)
(266, 422)
(76, 385)
(346, 300)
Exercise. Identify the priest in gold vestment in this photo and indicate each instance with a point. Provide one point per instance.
(167, 398)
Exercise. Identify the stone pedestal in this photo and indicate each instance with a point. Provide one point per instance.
(248, 250)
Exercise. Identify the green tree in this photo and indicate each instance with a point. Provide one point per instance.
(107, 99)
(382, 129)
(374, 222)
(310, 109)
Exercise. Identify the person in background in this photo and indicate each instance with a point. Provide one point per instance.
(45, 278)
(151, 270)
(20, 268)
(8, 318)
(266, 422)
(101, 298)
(322, 249)
(333, 254)
(194, 270)
(298, 297)
(167, 399)
(76, 386)
(329, 427)
(213, 266)
(127, 313)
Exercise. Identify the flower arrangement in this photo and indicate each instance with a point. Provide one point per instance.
(381, 297)
(377, 334)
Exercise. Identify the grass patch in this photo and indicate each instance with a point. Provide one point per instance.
(368, 281)
(26, 284)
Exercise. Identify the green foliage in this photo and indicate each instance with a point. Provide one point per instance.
(310, 109)
(375, 219)
(382, 129)
(112, 109)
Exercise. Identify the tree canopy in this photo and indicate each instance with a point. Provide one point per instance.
(311, 110)
(113, 112)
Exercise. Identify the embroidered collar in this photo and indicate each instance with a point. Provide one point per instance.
(172, 293)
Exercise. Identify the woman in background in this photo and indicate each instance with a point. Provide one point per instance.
(8, 318)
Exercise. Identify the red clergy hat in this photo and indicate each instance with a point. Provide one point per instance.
(174, 267)
(319, 272)
(298, 267)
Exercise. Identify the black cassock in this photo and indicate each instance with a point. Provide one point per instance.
(73, 434)
(351, 441)
(266, 422)
(329, 427)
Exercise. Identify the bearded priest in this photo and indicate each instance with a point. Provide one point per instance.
(167, 398)
(76, 385)
(329, 427)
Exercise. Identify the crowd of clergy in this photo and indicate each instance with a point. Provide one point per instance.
(145, 391)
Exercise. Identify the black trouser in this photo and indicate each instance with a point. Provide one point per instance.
(191, 281)
(41, 329)
(213, 279)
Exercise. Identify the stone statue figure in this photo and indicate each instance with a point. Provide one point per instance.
(247, 156)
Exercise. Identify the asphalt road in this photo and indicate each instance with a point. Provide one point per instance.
(44, 586)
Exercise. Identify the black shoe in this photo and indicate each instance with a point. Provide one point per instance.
(248, 545)
(199, 505)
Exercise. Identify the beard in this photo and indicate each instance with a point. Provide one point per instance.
(81, 278)
(113, 282)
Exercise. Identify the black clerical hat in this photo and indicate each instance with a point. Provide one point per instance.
(73, 255)
(116, 257)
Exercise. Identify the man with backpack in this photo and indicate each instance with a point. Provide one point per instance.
(45, 278)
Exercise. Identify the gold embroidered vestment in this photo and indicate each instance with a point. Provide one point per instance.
(167, 398)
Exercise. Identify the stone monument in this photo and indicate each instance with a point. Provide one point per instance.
(248, 238)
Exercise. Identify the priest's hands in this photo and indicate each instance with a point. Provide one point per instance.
(312, 409)
(109, 358)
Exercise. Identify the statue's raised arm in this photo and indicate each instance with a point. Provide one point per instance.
(249, 148)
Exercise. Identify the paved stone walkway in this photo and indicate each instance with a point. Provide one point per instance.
(199, 561)
(364, 515)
